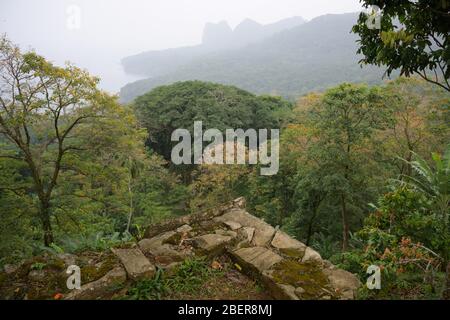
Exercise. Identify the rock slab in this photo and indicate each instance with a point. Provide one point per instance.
(135, 263)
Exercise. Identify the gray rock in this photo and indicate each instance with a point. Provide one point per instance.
(233, 225)
(299, 291)
(288, 291)
(344, 282)
(184, 228)
(263, 231)
(311, 254)
(135, 263)
(163, 253)
(239, 203)
(328, 264)
(279, 291)
(248, 233)
(97, 289)
(258, 258)
(227, 233)
(160, 238)
(211, 243)
(283, 241)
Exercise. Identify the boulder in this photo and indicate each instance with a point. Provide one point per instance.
(288, 292)
(311, 255)
(299, 291)
(308, 276)
(239, 203)
(228, 233)
(232, 225)
(345, 283)
(162, 253)
(263, 231)
(283, 241)
(161, 238)
(135, 263)
(100, 288)
(256, 258)
(184, 228)
(278, 291)
(248, 233)
(211, 243)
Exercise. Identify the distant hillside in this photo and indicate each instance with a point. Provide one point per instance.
(313, 56)
(216, 37)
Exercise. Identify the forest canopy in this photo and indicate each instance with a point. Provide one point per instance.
(363, 176)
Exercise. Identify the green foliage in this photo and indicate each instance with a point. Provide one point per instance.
(188, 277)
(343, 122)
(94, 242)
(217, 184)
(149, 289)
(434, 184)
(338, 150)
(158, 194)
(405, 240)
(69, 162)
(177, 106)
(38, 266)
(414, 38)
(325, 244)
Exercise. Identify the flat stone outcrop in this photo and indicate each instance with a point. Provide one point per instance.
(99, 288)
(258, 258)
(135, 263)
(343, 281)
(286, 267)
(311, 255)
(211, 243)
(282, 241)
(264, 232)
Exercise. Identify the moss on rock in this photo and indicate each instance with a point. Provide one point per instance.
(308, 276)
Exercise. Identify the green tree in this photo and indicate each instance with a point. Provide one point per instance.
(54, 120)
(176, 106)
(345, 122)
(434, 183)
(414, 38)
(421, 114)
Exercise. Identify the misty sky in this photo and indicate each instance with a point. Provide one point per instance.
(112, 29)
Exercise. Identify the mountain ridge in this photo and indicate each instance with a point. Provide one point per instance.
(216, 37)
(310, 57)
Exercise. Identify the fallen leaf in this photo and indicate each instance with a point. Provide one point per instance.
(216, 265)
(58, 296)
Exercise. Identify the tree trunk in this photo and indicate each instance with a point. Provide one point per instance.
(310, 225)
(345, 228)
(130, 216)
(46, 224)
(308, 237)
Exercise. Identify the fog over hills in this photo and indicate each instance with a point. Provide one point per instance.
(216, 37)
(310, 56)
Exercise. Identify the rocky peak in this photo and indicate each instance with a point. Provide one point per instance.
(217, 35)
